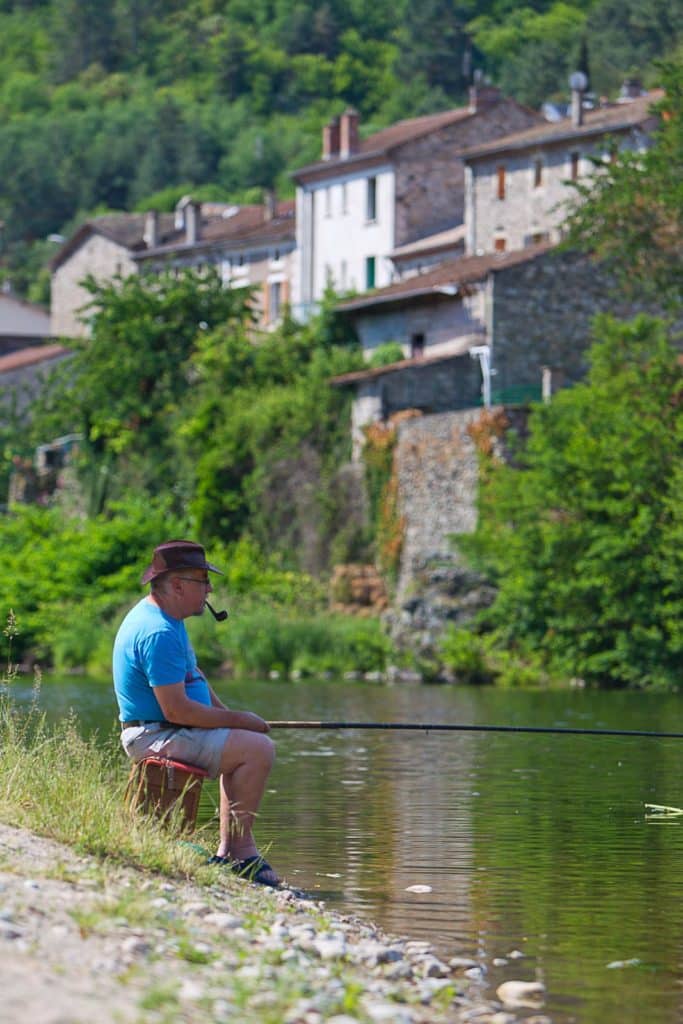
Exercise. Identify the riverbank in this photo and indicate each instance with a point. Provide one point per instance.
(82, 939)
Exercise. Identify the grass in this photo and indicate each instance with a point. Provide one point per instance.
(58, 784)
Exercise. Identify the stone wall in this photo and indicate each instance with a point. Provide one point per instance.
(436, 462)
(438, 475)
(98, 256)
(542, 316)
(430, 177)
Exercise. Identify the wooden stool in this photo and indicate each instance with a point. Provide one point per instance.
(156, 784)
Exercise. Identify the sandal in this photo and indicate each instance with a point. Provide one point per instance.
(254, 869)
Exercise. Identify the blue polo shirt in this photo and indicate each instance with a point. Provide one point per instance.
(153, 649)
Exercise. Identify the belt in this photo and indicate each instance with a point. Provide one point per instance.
(148, 721)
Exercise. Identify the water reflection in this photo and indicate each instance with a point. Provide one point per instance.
(538, 857)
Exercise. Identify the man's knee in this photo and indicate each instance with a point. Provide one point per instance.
(246, 747)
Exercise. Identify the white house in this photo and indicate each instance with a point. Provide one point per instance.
(367, 198)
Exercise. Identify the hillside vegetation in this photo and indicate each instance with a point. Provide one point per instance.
(114, 104)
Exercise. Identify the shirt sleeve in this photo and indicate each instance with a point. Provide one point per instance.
(164, 658)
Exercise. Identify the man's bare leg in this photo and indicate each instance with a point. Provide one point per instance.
(245, 765)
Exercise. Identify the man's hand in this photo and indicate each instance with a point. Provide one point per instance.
(248, 720)
(178, 708)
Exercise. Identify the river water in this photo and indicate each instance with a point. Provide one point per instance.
(529, 844)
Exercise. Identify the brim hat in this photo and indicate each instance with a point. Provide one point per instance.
(177, 554)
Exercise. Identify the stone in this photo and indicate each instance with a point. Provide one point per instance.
(391, 1013)
(434, 968)
(330, 949)
(219, 919)
(135, 946)
(462, 962)
(9, 931)
(520, 993)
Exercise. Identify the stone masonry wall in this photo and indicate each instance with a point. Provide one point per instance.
(437, 479)
(543, 312)
(430, 177)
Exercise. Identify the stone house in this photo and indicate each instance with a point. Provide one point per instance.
(102, 247)
(518, 186)
(503, 328)
(250, 245)
(367, 198)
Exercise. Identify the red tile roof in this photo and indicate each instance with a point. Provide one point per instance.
(247, 225)
(382, 142)
(31, 355)
(455, 274)
(602, 121)
(417, 362)
(239, 224)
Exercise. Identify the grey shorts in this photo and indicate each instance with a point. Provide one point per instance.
(202, 747)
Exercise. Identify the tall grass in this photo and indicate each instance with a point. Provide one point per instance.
(58, 783)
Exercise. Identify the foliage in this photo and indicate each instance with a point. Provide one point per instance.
(64, 578)
(461, 651)
(262, 641)
(531, 50)
(630, 215)
(110, 103)
(384, 355)
(583, 539)
(278, 431)
(143, 332)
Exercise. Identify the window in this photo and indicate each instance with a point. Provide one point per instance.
(417, 346)
(344, 202)
(499, 244)
(328, 202)
(343, 275)
(501, 181)
(575, 162)
(371, 200)
(369, 271)
(538, 172)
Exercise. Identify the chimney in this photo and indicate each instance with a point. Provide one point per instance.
(348, 132)
(193, 222)
(269, 204)
(150, 235)
(578, 83)
(482, 97)
(631, 89)
(331, 139)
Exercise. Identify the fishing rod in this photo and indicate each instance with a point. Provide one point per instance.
(455, 727)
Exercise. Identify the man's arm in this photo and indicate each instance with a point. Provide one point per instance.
(181, 710)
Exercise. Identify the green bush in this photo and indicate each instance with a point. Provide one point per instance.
(384, 355)
(262, 641)
(463, 653)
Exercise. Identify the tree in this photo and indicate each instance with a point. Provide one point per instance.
(126, 384)
(277, 430)
(583, 538)
(630, 214)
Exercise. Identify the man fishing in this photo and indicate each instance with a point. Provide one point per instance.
(168, 709)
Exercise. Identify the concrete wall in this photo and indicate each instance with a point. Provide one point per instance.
(97, 256)
(443, 322)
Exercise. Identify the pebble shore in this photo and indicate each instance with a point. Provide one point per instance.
(83, 940)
